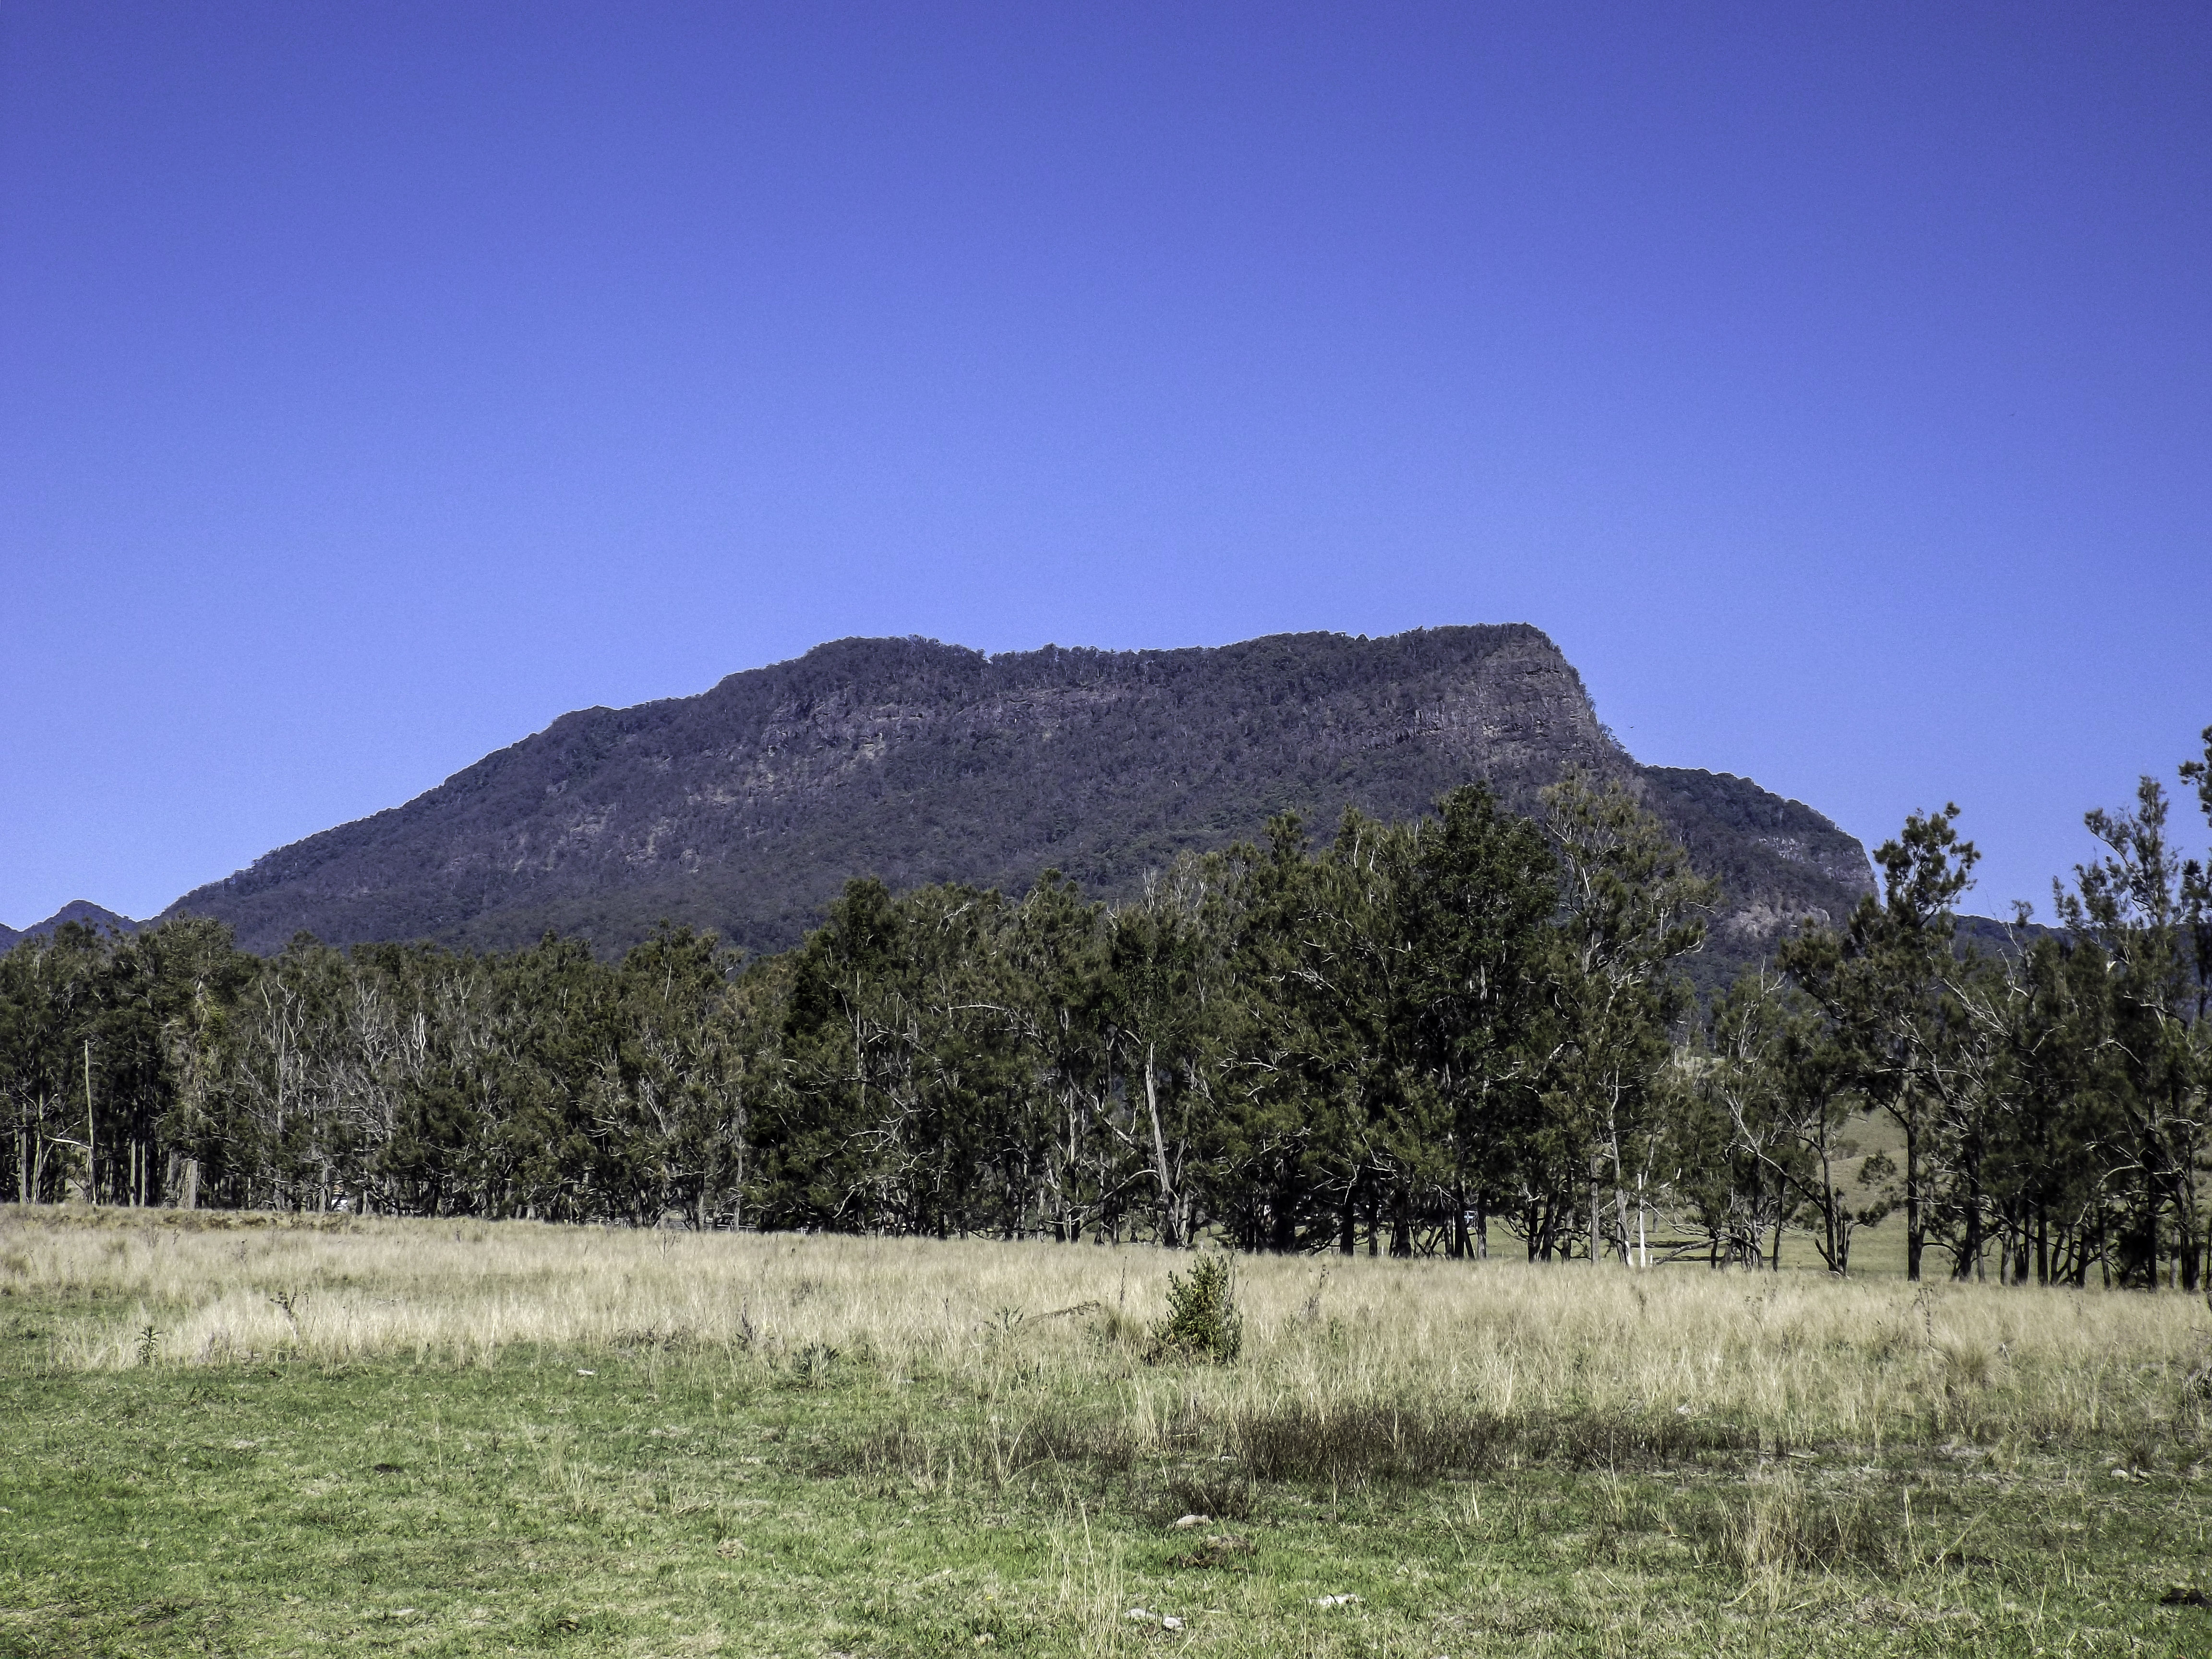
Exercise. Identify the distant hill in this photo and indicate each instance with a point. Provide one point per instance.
(83, 910)
(744, 808)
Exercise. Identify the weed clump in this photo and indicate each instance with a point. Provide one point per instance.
(1185, 1492)
(1202, 1321)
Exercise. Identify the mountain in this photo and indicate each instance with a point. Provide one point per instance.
(92, 915)
(744, 807)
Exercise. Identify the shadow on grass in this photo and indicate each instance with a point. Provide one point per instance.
(1350, 1445)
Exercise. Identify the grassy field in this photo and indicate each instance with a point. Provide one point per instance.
(230, 1435)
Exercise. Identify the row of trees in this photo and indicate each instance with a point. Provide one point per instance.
(1411, 1039)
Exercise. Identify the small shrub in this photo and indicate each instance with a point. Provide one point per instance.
(1167, 1495)
(1967, 1366)
(1202, 1321)
(814, 1366)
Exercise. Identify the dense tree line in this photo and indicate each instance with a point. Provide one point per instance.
(1427, 1037)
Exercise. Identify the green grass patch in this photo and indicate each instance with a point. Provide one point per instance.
(649, 1500)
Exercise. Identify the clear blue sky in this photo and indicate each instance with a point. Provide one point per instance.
(1834, 383)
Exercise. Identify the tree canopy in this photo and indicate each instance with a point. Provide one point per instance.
(1420, 1037)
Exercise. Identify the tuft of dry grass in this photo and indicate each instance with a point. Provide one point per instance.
(1368, 1369)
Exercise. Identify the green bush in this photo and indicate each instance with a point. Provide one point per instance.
(1202, 1321)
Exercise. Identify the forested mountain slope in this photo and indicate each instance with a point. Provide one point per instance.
(78, 910)
(745, 808)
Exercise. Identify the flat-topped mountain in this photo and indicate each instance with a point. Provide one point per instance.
(745, 808)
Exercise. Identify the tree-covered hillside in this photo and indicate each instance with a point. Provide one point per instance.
(744, 809)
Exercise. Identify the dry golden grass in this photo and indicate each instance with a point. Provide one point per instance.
(1787, 1360)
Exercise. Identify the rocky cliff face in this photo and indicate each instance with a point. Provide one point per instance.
(744, 807)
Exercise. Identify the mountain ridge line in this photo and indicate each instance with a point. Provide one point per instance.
(743, 807)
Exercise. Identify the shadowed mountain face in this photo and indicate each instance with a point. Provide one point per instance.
(745, 808)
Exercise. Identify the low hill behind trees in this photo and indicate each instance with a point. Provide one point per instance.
(83, 911)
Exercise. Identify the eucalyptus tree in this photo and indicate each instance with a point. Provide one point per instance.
(49, 990)
(900, 1047)
(1630, 909)
(1080, 1174)
(751, 1022)
(1162, 999)
(2197, 888)
(2142, 905)
(265, 1079)
(1483, 885)
(679, 1074)
(532, 1043)
(1354, 973)
(1279, 1152)
(1334, 1118)
(426, 1116)
(2045, 1007)
(151, 981)
(1882, 982)
(827, 1153)
(1977, 1104)
(1749, 1163)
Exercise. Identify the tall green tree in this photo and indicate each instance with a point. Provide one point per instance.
(2142, 905)
(50, 1002)
(1883, 983)
(1484, 885)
